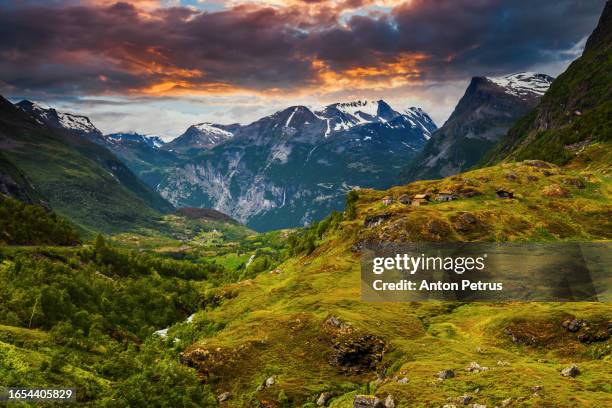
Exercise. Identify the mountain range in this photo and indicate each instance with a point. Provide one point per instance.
(51, 157)
(294, 166)
(283, 170)
(297, 165)
(489, 107)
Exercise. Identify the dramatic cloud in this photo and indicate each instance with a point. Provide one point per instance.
(102, 48)
(294, 50)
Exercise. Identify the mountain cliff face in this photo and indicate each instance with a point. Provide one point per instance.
(297, 165)
(489, 107)
(575, 113)
(81, 180)
(143, 154)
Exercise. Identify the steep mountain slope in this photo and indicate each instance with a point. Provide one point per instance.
(143, 154)
(297, 165)
(28, 224)
(489, 107)
(14, 184)
(65, 122)
(575, 112)
(81, 180)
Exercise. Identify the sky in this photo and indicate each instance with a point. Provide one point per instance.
(156, 67)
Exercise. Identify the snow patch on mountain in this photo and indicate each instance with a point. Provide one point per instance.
(35, 108)
(356, 108)
(64, 120)
(75, 122)
(291, 117)
(214, 132)
(344, 116)
(154, 142)
(523, 83)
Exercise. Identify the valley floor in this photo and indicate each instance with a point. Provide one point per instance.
(305, 326)
(295, 327)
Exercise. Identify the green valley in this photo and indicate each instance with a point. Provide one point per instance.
(108, 289)
(79, 179)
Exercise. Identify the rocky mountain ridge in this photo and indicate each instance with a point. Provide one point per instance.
(574, 114)
(283, 170)
(297, 164)
(488, 108)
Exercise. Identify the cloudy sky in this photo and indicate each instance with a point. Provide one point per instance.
(158, 66)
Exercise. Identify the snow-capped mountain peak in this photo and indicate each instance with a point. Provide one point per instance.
(33, 107)
(358, 108)
(366, 117)
(76, 122)
(343, 116)
(205, 135)
(67, 121)
(418, 117)
(523, 83)
(154, 142)
(214, 131)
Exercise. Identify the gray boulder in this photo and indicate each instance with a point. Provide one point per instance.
(367, 401)
(324, 398)
(474, 367)
(570, 371)
(463, 399)
(444, 374)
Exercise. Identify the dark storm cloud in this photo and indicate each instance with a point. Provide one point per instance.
(494, 37)
(462, 38)
(121, 48)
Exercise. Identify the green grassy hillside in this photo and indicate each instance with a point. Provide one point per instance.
(85, 317)
(81, 180)
(279, 324)
(13, 183)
